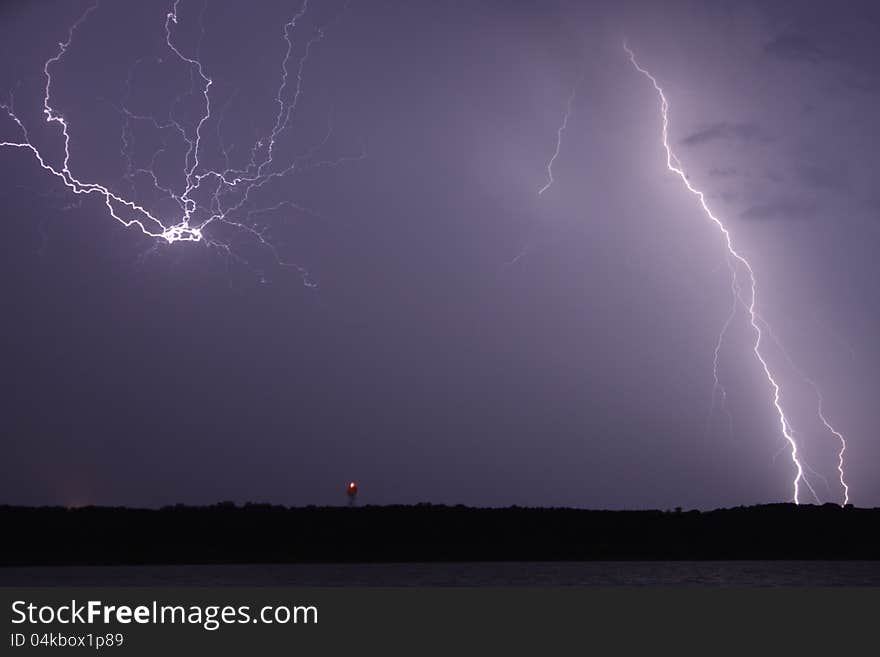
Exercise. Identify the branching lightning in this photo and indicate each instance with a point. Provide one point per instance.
(229, 191)
(559, 131)
(839, 437)
(718, 387)
(737, 260)
(205, 197)
(820, 413)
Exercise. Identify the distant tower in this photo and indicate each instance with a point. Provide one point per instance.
(351, 491)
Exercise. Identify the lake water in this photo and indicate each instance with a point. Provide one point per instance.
(593, 573)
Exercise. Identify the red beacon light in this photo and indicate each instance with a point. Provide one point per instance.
(352, 489)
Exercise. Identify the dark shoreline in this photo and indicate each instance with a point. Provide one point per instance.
(265, 534)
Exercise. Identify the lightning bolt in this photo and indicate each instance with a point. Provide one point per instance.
(718, 387)
(229, 191)
(736, 259)
(525, 249)
(559, 131)
(839, 437)
(820, 413)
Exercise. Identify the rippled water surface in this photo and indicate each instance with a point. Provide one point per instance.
(594, 573)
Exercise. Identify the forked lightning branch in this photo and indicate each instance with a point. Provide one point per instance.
(231, 192)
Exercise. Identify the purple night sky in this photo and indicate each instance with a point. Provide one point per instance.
(399, 305)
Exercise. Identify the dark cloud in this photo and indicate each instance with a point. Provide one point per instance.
(723, 172)
(816, 176)
(774, 176)
(782, 209)
(728, 196)
(794, 47)
(747, 132)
